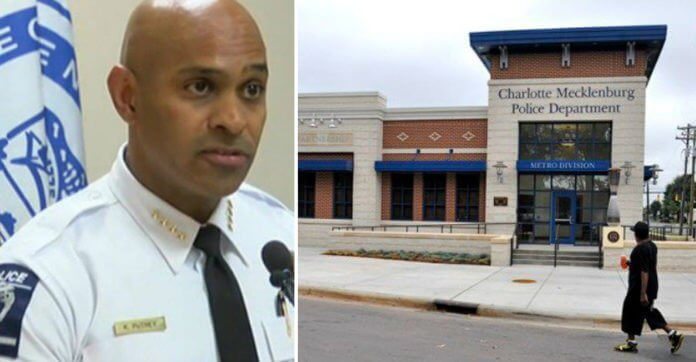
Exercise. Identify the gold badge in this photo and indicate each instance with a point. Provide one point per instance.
(155, 324)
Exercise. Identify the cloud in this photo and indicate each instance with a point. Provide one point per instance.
(417, 53)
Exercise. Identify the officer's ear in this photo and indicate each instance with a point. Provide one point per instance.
(122, 87)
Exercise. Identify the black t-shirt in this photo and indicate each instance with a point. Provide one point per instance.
(643, 259)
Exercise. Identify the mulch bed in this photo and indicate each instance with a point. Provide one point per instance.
(427, 257)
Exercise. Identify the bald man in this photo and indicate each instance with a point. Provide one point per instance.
(161, 259)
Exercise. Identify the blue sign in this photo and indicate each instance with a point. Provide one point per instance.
(563, 166)
(41, 147)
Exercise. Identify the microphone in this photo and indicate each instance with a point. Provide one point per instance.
(279, 263)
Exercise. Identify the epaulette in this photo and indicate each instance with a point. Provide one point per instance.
(50, 223)
(260, 195)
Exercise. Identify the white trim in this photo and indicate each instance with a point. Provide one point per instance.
(326, 149)
(427, 223)
(612, 80)
(339, 112)
(435, 113)
(433, 150)
(340, 95)
(359, 105)
(309, 220)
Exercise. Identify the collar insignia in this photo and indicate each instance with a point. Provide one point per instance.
(168, 225)
(230, 214)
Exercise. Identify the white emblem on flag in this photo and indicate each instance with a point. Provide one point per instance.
(41, 149)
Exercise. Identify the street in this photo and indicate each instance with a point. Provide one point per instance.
(336, 331)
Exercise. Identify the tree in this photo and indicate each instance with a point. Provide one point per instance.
(673, 194)
(670, 209)
(655, 208)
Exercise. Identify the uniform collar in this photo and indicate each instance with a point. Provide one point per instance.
(172, 231)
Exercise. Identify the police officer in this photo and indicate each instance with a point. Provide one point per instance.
(160, 260)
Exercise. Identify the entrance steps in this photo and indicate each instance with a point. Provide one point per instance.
(566, 257)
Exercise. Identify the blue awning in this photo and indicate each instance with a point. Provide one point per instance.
(563, 166)
(430, 166)
(325, 165)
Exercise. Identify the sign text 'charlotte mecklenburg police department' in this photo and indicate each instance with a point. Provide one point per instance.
(583, 92)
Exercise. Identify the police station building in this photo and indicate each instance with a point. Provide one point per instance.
(564, 106)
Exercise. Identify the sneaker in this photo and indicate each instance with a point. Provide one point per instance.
(627, 347)
(676, 340)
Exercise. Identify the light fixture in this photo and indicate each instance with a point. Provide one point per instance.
(316, 120)
(627, 167)
(655, 173)
(499, 167)
(568, 140)
(334, 122)
(313, 121)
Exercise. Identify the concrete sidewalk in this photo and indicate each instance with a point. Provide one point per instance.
(564, 292)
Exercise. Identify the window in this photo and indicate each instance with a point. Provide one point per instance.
(565, 141)
(534, 200)
(467, 197)
(343, 195)
(402, 196)
(307, 184)
(434, 196)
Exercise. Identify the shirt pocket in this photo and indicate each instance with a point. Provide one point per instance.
(145, 347)
(280, 343)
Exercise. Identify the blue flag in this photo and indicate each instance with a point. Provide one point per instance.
(41, 148)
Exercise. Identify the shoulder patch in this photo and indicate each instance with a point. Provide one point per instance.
(17, 284)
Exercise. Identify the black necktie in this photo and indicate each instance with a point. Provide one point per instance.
(235, 341)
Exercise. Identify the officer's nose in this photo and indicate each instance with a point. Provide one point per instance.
(228, 116)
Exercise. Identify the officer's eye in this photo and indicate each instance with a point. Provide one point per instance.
(200, 87)
(253, 90)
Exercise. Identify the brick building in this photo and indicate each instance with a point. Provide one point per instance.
(565, 106)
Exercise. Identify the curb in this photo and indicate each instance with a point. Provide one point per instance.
(491, 311)
(374, 298)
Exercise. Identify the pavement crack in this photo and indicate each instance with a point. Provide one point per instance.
(688, 279)
(540, 288)
(477, 283)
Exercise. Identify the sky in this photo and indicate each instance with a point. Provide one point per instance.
(417, 53)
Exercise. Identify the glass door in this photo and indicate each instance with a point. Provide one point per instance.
(563, 208)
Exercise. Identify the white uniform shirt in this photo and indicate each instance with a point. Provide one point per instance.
(115, 253)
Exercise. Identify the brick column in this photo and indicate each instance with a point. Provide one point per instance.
(323, 206)
(386, 196)
(451, 197)
(418, 196)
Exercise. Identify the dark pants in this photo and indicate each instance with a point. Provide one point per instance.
(634, 313)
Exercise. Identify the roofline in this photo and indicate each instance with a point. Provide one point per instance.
(653, 35)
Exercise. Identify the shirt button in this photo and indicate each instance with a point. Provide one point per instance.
(94, 195)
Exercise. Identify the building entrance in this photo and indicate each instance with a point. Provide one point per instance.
(542, 198)
(563, 217)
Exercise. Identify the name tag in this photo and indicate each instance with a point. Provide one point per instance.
(156, 324)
